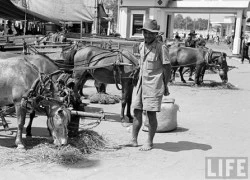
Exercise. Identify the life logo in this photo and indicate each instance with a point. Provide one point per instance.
(226, 167)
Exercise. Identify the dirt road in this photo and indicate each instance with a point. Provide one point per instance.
(212, 121)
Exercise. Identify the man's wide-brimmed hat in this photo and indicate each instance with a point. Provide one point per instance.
(151, 25)
(192, 32)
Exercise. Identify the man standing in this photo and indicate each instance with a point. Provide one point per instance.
(10, 29)
(244, 50)
(155, 72)
(191, 41)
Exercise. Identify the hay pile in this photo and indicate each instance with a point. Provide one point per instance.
(103, 98)
(220, 85)
(42, 150)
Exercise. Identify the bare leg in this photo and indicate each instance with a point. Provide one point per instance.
(151, 131)
(137, 123)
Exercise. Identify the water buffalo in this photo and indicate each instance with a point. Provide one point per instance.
(17, 77)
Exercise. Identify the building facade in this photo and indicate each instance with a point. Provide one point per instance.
(132, 15)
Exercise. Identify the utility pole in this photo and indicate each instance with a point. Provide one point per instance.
(186, 24)
(25, 17)
(208, 24)
(96, 21)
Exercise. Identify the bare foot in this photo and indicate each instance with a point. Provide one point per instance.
(146, 147)
(133, 143)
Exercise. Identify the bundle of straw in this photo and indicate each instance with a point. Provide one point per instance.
(103, 98)
(40, 150)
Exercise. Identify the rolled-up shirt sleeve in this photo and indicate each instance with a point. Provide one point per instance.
(165, 55)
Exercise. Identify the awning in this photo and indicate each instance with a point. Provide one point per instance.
(11, 12)
(61, 10)
(50, 10)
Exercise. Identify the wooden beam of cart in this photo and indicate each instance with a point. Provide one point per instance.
(100, 115)
(102, 66)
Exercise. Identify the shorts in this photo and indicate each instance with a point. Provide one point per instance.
(147, 103)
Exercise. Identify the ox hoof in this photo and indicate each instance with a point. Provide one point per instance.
(197, 85)
(125, 123)
(28, 136)
(184, 81)
(190, 79)
(20, 147)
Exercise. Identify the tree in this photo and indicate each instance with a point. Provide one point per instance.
(179, 22)
(189, 23)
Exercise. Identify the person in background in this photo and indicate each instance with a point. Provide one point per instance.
(10, 29)
(155, 72)
(245, 48)
(177, 37)
(208, 37)
(201, 42)
(191, 42)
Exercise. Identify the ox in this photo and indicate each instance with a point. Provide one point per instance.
(198, 58)
(105, 66)
(17, 77)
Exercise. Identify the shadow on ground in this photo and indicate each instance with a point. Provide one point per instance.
(181, 146)
(40, 135)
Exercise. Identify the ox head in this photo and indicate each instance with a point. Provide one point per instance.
(68, 53)
(222, 62)
(58, 120)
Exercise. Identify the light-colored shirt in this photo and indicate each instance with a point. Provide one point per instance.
(151, 68)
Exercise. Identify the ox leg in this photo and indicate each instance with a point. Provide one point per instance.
(203, 69)
(21, 114)
(73, 126)
(123, 103)
(174, 69)
(181, 74)
(100, 87)
(129, 94)
(28, 129)
(80, 80)
(198, 74)
(5, 125)
(127, 91)
(191, 73)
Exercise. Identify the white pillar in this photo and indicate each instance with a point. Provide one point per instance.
(237, 37)
(108, 33)
(171, 25)
(163, 23)
(81, 31)
(95, 22)
(161, 16)
(123, 22)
